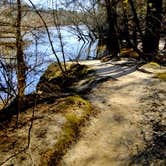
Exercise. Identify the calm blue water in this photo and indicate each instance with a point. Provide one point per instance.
(39, 54)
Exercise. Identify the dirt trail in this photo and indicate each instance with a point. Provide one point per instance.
(131, 106)
(120, 129)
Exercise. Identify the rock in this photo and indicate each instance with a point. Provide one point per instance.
(54, 80)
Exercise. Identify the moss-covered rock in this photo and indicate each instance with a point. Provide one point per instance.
(54, 80)
(161, 76)
(152, 65)
(129, 52)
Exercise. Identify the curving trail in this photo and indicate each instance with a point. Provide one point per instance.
(123, 126)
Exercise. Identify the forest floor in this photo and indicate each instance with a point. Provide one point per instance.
(129, 128)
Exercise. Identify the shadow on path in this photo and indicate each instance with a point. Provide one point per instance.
(107, 71)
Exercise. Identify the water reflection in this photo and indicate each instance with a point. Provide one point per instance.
(38, 54)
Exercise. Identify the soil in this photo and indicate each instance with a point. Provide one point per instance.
(124, 131)
(129, 129)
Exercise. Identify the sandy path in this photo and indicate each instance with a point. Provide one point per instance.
(114, 135)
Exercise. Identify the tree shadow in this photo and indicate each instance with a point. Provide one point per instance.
(117, 70)
(105, 72)
(155, 150)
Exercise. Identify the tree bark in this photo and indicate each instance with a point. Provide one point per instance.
(153, 27)
(20, 58)
(136, 19)
(5, 2)
(111, 40)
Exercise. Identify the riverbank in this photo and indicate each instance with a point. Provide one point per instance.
(125, 108)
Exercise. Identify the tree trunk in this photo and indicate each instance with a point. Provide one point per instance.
(136, 19)
(111, 40)
(126, 28)
(5, 2)
(153, 27)
(20, 58)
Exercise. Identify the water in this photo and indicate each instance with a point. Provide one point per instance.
(38, 55)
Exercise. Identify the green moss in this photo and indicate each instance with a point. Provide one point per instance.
(153, 65)
(71, 130)
(161, 76)
(78, 70)
(53, 80)
(129, 52)
(71, 101)
(52, 72)
(77, 100)
(72, 119)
